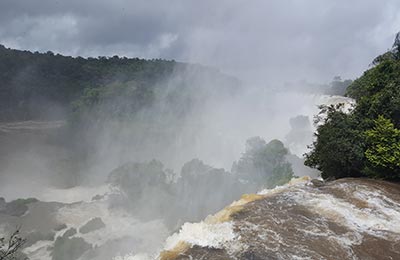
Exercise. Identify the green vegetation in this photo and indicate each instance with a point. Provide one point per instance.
(338, 86)
(366, 141)
(32, 81)
(144, 187)
(202, 189)
(170, 96)
(116, 100)
(43, 85)
(264, 163)
(150, 190)
(383, 150)
(136, 179)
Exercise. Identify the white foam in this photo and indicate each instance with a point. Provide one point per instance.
(378, 214)
(294, 182)
(39, 250)
(203, 234)
(134, 257)
(75, 194)
(118, 223)
(348, 103)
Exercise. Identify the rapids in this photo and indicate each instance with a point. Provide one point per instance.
(343, 219)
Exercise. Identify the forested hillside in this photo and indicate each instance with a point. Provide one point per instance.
(366, 141)
(42, 85)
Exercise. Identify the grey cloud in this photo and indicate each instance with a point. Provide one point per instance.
(275, 40)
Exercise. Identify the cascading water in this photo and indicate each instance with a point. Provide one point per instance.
(345, 219)
(124, 232)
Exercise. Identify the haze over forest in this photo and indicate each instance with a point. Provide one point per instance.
(275, 41)
(127, 129)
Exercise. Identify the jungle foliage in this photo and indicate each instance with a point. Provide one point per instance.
(43, 85)
(365, 141)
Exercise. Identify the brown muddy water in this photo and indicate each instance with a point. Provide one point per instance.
(344, 219)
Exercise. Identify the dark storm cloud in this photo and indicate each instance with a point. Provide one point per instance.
(314, 39)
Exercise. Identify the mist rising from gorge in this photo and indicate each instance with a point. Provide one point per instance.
(120, 152)
(209, 119)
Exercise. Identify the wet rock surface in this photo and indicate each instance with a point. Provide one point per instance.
(92, 225)
(80, 230)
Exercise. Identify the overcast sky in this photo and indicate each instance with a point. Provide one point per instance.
(267, 39)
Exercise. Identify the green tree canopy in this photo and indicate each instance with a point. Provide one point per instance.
(264, 163)
(365, 141)
(383, 149)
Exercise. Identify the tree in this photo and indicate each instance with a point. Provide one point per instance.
(9, 249)
(338, 150)
(264, 164)
(32, 81)
(144, 186)
(396, 46)
(383, 150)
(202, 189)
(393, 54)
(365, 141)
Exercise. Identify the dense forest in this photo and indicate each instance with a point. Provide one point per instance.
(43, 85)
(127, 107)
(366, 141)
